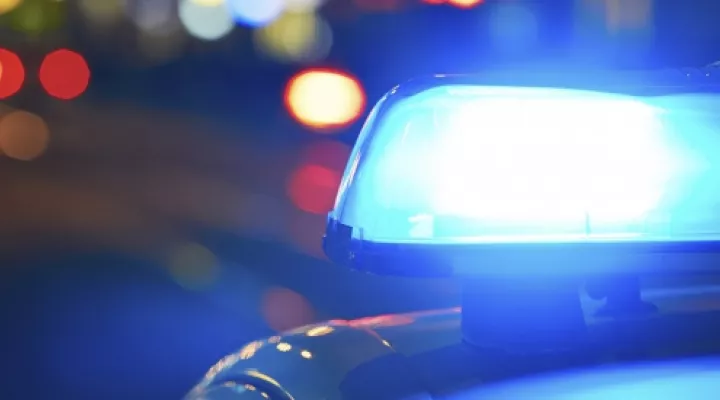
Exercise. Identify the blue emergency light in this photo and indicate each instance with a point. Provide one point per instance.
(454, 175)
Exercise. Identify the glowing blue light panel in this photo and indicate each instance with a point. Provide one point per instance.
(476, 164)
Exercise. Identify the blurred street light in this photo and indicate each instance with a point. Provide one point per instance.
(295, 37)
(303, 5)
(8, 5)
(64, 74)
(38, 16)
(193, 266)
(209, 3)
(206, 22)
(13, 75)
(102, 13)
(465, 3)
(23, 136)
(324, 100)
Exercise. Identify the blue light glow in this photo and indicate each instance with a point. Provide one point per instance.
(500, 164)
(255, 13)
(667, 380)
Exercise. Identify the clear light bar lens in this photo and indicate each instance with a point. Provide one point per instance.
(498, 164)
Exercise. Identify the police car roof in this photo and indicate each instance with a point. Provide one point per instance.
(397, 355)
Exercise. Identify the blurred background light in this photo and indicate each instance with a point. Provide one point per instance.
(64, 74)
(465, 3)
(206, 22)
(13, 73)
(8, 5)
(35, 17)
(102, 13)
(303, 5)
(312, 188)
(324, 99)
(209, 3)
(193, 266)
(151, 15)
(285, 309)
(326, 153)
(162, 45)
(23, 136)
(295, 37)
(255, 12)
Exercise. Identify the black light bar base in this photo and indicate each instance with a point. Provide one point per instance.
(622, 295)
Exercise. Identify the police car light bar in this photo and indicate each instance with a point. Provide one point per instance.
(461, 177)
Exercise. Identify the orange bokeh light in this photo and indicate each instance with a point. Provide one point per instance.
(324, 99)
(64, 74)
(465, 3)
(13, 73)
(23, 135)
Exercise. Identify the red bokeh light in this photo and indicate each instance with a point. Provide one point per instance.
(312, 188)
(64, 74)
(284, 309)
(327, 153)
(13, 73)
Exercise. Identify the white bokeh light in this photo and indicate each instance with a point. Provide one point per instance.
(151, 15)
(206, 22)
(209, 3)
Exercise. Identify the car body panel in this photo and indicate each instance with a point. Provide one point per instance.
(313, 361)
(407, 356)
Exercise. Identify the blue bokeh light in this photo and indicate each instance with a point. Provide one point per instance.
(255, 13)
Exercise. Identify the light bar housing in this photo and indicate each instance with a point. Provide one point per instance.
(541, 173)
